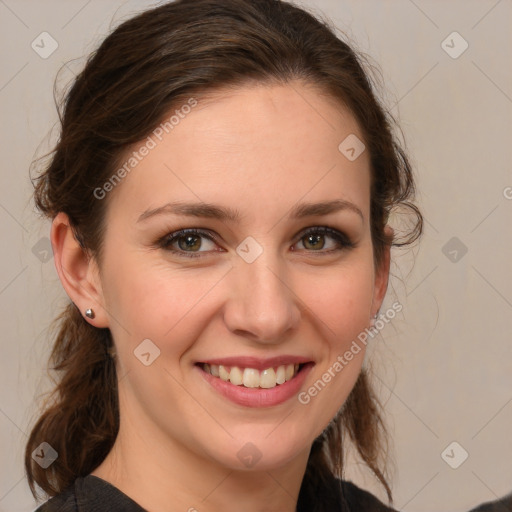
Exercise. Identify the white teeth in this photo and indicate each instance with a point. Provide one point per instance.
(268, 378)
(290, 369)
(280, 375)
(235, 376)
(252, 378)
(223, 373)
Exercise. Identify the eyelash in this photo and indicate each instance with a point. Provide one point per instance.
(343, 241)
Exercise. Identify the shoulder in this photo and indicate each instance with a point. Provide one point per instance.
(64, 502)
(501, 505)
(360, 500)
(338, 495)
(90, 494)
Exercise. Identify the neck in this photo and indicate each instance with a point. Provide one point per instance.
(162, 475)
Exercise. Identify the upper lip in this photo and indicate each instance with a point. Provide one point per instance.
(257, 363)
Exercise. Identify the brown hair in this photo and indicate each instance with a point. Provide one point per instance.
(146, 67)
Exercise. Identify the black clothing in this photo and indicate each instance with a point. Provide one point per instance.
(502, 505)
(93, 494)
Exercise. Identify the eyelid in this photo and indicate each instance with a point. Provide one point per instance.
(170, 238)
(344, 241)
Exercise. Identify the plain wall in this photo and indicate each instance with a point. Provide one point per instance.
(444, 365)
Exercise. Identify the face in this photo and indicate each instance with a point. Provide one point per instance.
(265, 281)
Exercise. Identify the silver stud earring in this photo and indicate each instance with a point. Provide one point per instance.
(89, 313)
(372, 321)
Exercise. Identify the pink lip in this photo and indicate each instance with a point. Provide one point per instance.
(257, 397)
(256, 363)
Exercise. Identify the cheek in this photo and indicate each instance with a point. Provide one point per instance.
(157, 302)
(154, 301)
(341, 299)
(342, 304)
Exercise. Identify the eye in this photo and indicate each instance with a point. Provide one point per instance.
(191, 242)
(314, 240)
(187, 242)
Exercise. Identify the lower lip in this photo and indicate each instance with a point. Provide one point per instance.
(258, 397)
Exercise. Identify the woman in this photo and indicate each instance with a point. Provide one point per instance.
(220, 196)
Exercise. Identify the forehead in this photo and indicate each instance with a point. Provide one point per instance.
(257, 145)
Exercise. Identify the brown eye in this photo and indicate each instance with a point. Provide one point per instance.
(317, 240)
(192, 242)
(188, 242)
(314, 241)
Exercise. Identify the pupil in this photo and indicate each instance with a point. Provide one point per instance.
(189, 242)
(314, 239)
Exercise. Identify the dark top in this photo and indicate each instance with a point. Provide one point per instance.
(93, 494)
(502, 505)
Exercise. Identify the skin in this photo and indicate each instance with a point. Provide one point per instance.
(259, 149)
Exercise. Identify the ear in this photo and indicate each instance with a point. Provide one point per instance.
(78, 271)
(382, 276)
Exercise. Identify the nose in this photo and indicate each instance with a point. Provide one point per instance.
(262, 305)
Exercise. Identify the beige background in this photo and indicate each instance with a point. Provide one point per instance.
(445, 363)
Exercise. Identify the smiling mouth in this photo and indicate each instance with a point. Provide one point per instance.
(251, 377)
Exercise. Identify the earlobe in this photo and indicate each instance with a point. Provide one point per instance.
(382, 275)
(77, 272)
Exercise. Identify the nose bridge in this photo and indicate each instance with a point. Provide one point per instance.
(263, 304)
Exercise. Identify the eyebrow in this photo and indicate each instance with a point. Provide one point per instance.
(208, 210)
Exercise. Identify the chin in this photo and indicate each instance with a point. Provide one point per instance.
(259, 452)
